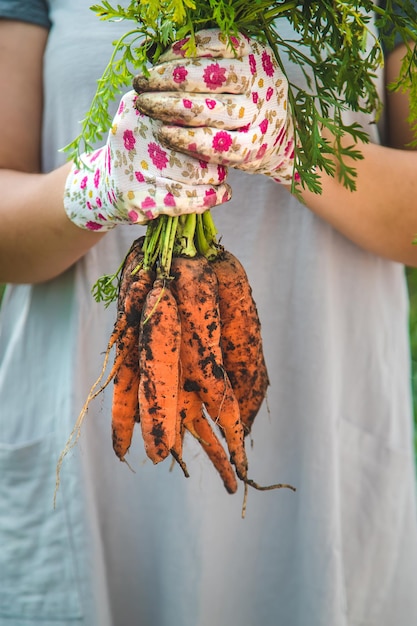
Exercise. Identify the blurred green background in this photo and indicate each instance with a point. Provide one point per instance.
(412, 287)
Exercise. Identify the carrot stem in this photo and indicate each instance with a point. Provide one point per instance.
(210, 229)
(151, 243)
(168, 240)
(205, 246)
(185, 235)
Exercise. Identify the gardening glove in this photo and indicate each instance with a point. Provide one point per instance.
(133, 179)
(229, 103)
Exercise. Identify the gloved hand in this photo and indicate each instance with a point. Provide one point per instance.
(235, 102)
(133, 179)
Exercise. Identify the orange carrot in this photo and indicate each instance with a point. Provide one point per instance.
(195, 289)
(125, 409)
(189, 405)
(190, 416)
(129, 274)
(159, 351)
(130, 270)
(124, 371)
(241, 339)
(203, 432)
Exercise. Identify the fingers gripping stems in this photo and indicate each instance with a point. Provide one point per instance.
(227, 105)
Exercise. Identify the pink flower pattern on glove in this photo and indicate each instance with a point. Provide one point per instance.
(214, 76)
(135, 179)
(180, 74)
(158, 156)
(129, 140)
(221, 141)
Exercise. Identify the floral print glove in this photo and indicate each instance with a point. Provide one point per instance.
(229, 103)
(133, 179)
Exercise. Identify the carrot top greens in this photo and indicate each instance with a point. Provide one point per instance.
(333, 45)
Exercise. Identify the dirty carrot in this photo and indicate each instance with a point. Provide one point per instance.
(190, 417)
(132, 262)
(159, 350)
(125, 405)
(241, 339)
(189, 405)
(200, 428)
(130, 269)
(195, 288)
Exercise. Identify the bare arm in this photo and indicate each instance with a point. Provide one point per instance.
(381, 215)
(38, 241)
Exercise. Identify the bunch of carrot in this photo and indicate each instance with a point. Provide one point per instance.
(188, 350)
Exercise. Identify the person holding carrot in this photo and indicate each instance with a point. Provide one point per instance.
(150, 547)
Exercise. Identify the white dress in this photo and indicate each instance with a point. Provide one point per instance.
(152, 548)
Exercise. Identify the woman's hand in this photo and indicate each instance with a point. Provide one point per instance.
(229, 95)
(229, 103)
(133, 179)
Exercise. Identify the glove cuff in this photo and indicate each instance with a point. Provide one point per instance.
(84, 201)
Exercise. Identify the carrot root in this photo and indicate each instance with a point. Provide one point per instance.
(159, 352)
(203, 432)
(241, 339)
(125, 407)
(195, 288)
